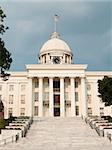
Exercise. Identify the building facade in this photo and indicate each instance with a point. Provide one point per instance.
(53, 87)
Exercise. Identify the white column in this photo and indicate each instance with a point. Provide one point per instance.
(30, 98)
(51, 106)
(83, 97)
(62, 101)
(73, 107)
(40, 96)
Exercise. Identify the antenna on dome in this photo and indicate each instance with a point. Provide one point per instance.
(56, 19)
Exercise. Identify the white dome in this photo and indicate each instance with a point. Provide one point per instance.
(55, 44)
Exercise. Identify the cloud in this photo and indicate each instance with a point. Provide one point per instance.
(85, 25)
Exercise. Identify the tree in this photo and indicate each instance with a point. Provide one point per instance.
(1, 106)
(105, 90)
(5, 55)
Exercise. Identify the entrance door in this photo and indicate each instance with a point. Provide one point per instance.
(56, 112)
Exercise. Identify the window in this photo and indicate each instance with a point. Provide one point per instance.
(0, 97)
(89, 98)
(46, 95)
(45, 59)
(101, 111)
(22, 113)
(10, 112)
(22, 87)
(89, 111)
(36, 84)
(11, 87)
(36, 96)
(66, 84)
(77, 110)
(65, 58)
(11, 97)
(46, 84)
(36, 111)
(76, 84)
(76, 96)
(22, 99)
(56, 84)
(0, 87)
(88, 87)
(66, 95)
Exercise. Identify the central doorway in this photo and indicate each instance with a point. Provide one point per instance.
(56, 105)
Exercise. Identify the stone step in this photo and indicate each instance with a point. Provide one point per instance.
(60, 134)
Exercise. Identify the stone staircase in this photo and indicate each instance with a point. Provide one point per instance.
(60, 134)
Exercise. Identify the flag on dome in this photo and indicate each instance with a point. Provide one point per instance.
(56, 17)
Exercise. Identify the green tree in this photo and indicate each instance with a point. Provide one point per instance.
(105, 90)
(5, 55)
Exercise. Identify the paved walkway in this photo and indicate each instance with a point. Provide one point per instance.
(60, 134)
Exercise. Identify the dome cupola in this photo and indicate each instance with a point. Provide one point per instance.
(55, 51)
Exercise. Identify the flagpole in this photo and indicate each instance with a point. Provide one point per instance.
(55, 25)
(56, 19)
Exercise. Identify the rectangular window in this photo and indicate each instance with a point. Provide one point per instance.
(89, 111)
(0, 87)
(22, 87)
(22, 113)
(56, 84)
(66, 85)
(101, 111)
(46, 95)
(10, 112)
(89, 98)
(11, 87)
(88, 87)
(66, 95)
(11, 97)
(36, 96)
(36, 111)
(76, 84)
(76, 96)
(46, 83)
(65, 58)
(77, 110)
(22, 99)
(36, 84)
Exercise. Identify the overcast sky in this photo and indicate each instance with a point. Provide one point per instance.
(86, 25)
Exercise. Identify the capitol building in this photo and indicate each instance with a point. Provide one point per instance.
(56, 86)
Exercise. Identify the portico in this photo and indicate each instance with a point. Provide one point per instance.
(57, 92)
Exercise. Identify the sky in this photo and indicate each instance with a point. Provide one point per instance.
(86, 25)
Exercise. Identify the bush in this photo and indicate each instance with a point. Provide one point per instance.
(109, 118)
(5, 122)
